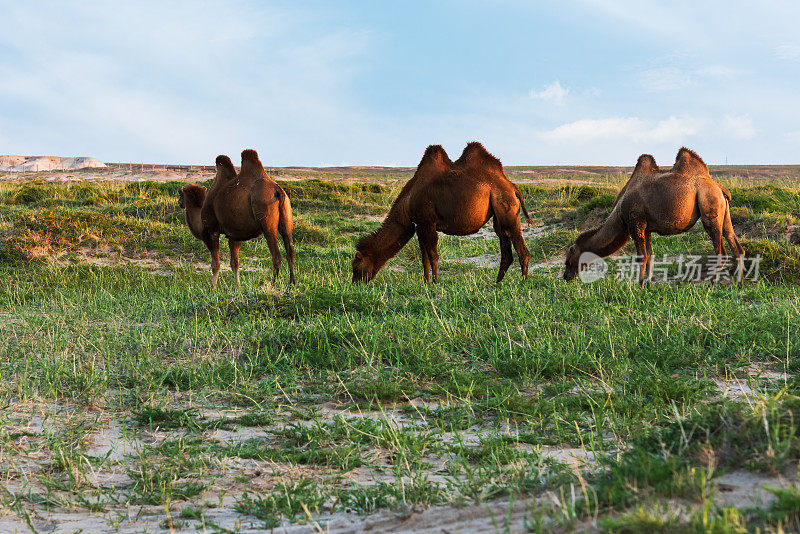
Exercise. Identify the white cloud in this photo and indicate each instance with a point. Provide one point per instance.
(671, 130)
(659, 79)
(788, 51)
(126, 84)
(674, 129)
(665, 79)
(739, 127)
(719, 72)
(554, 93)
(653, 18)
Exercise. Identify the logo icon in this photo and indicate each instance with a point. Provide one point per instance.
(593, 267)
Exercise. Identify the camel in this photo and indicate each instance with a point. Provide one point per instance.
(667, 203)
(241, 207)
(645, 166)
(455, 198)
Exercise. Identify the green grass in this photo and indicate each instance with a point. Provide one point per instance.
(447, 393)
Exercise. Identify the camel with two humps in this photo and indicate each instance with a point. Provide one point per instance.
(455, 198)
(665, 203)
(240, 206)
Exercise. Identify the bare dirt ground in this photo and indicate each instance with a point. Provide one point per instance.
(113, 448)
(120, 443)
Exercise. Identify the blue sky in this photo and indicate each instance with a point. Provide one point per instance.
(334, 83)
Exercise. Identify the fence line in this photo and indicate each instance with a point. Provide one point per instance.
(131, 167)
(119, 166)
(156, 166)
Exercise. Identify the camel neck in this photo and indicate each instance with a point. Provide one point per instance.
(389, 239)
(194, 220)
(607, 239)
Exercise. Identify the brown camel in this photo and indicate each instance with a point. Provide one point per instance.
(666, 203)
(241, 207)
(453, 198)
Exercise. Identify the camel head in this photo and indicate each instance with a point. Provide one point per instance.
(191, 195)
(363, 267)
(572, 263)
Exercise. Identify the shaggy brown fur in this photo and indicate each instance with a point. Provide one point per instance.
(645, 166)
(241, 207)
(455, 198)
(666, 203)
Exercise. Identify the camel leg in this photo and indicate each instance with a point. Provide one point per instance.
(522, 251)
(506, 256)
(268, 220)
(429, 239)
(433, 255)
(274, 251)
(713, 228)
(234, 246)
(736, 247)
(426, 262)
(213, 246)
(289, 247)
(638, 236)
(714, 231)
(648, 244)
(510, 223)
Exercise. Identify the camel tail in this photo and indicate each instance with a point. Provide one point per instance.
(725, 193)
(285, 228)
(285, 221)
(522, 203)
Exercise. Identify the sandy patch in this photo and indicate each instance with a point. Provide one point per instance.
(751, 382)
(745, 488)
(487, 231)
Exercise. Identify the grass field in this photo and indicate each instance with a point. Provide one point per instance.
(135, 399)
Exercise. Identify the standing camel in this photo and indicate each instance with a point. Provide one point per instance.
(241, 207)
(455, 198)
(666, 203)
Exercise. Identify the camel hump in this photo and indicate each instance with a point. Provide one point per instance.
(250, 155)
(251, 165)
(436, 154)
(687, 161)
(646, 164)
(225, 168)
(476, 156)
(435, 158)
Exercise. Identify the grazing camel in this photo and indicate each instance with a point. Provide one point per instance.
(666, 203)
(241, 207)
(455, 198)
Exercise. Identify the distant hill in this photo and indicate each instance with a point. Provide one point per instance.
(48, 163)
